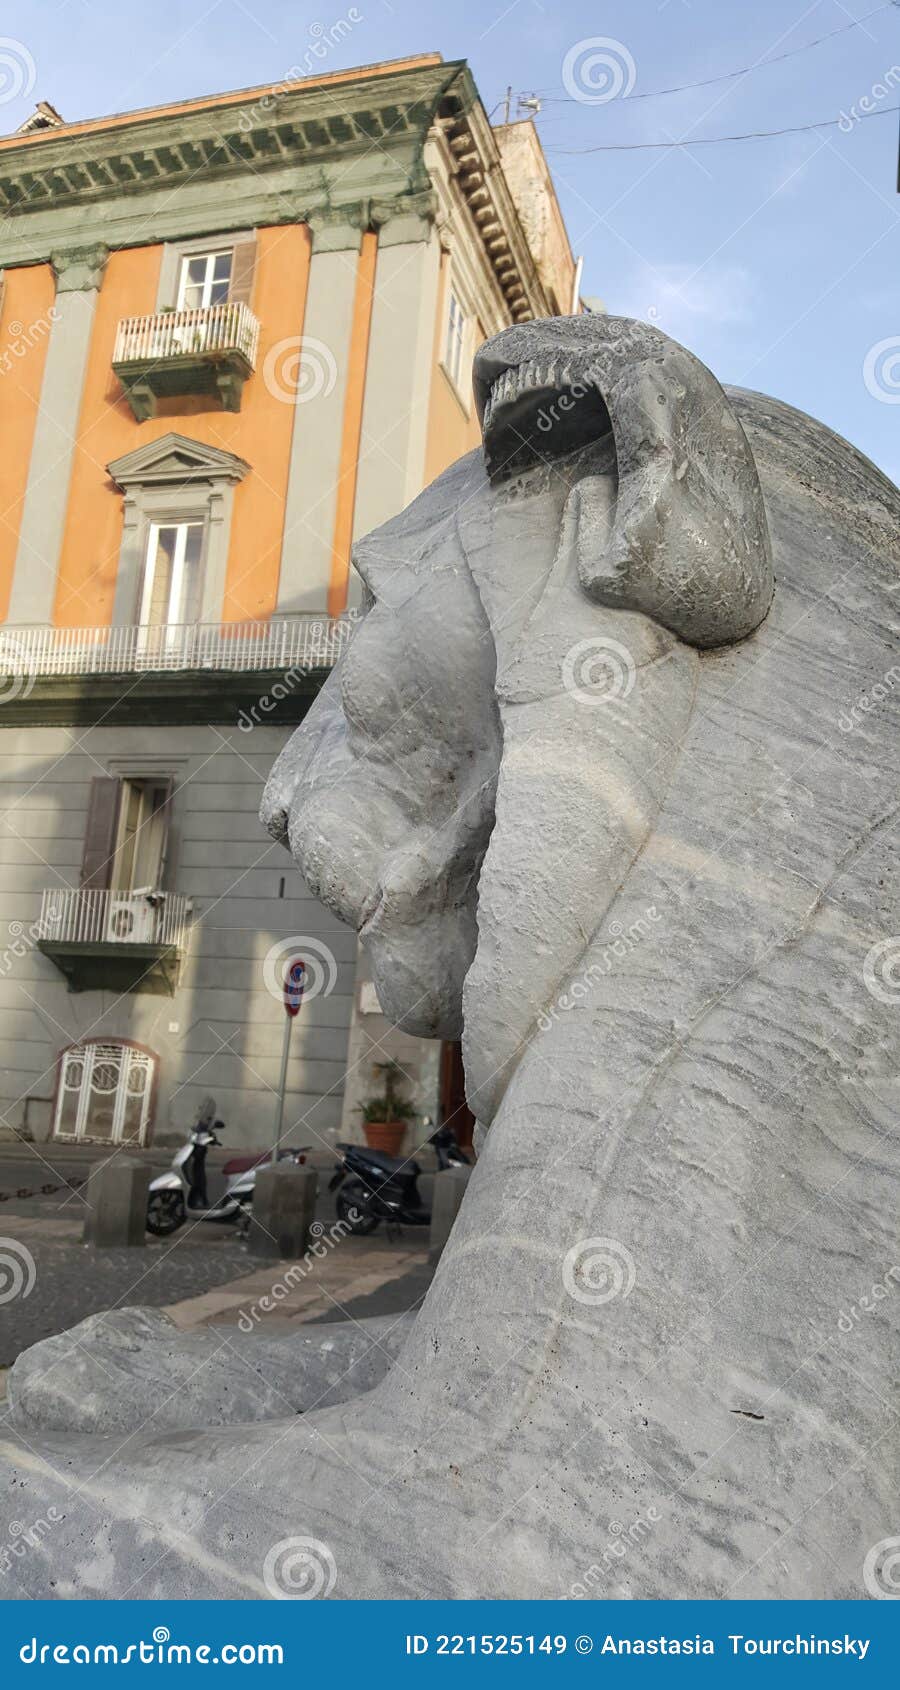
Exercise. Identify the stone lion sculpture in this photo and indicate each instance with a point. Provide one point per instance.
(581, 785)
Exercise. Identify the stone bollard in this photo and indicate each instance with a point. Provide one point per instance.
(116, 1195)
(449, 1191)
(284, 1208)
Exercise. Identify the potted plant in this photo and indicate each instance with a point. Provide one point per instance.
(385, 1115)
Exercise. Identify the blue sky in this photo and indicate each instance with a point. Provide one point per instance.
(777, 261)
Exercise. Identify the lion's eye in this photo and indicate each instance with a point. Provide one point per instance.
(540, 410)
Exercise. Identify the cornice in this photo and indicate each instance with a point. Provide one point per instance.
(478, 170)
(215, 141)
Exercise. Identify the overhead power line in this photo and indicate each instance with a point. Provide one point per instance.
(716, 140)
(744, 70)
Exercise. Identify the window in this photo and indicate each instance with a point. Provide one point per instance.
(126, 834)
(173, 584)
(137, 863)
(454, 350)
(205, 279)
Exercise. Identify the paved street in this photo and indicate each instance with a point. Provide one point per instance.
(202, 1275)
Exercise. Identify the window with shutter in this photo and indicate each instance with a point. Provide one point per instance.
(205, 279)
(100, 834)
(140, 852)
(243, 267)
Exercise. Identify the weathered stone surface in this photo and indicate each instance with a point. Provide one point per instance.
(660, 877)
(284, 1208)
(449, 1191)
(116, 1197)
(132, 1368)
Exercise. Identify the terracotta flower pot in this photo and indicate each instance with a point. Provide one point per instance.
(385, 1135)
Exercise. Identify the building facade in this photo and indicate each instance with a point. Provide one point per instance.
(235, 334)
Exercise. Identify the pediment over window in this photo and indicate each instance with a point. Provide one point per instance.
(177, 460)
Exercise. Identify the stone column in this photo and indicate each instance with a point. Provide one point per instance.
(319, 420)
(401, 351)
(79, 273)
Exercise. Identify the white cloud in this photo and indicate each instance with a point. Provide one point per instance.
(680, 298)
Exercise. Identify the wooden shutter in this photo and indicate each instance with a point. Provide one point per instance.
(243, 265)
(100, 832)
(165, 810)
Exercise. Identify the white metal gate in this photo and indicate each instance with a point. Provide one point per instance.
(105, 1092)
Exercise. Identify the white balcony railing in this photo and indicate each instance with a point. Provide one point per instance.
(188, 334)
(70, 915)
(285, 643)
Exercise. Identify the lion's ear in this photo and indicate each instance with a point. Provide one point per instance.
(689, 543)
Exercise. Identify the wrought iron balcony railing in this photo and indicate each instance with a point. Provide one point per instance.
(72, 916)
(284, 643)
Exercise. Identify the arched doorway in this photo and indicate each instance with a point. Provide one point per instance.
(105, 1092)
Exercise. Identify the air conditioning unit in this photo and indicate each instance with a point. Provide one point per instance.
(130, 921)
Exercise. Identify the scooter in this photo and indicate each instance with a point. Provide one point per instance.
(372, 1186)
(447, 1150)
(169, 1200)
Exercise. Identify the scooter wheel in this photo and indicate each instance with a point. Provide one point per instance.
(165, 1212)
(352, 1205)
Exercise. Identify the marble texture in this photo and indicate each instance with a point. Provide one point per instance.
(604, 813)
(132, 1369)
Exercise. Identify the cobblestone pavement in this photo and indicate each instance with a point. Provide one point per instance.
(72, 1281)
(202, 1275)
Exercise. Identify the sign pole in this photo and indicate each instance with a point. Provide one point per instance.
(295, 980)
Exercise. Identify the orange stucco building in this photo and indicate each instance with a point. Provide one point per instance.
(235, 334)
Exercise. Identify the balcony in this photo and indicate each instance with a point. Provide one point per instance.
(175, 354)
(197, 671)
(115, 941)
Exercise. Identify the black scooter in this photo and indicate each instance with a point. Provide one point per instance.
(372, 1186)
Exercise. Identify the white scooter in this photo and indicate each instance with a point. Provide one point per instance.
(181, 1192)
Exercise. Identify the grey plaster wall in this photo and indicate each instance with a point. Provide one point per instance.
(221, 1032)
